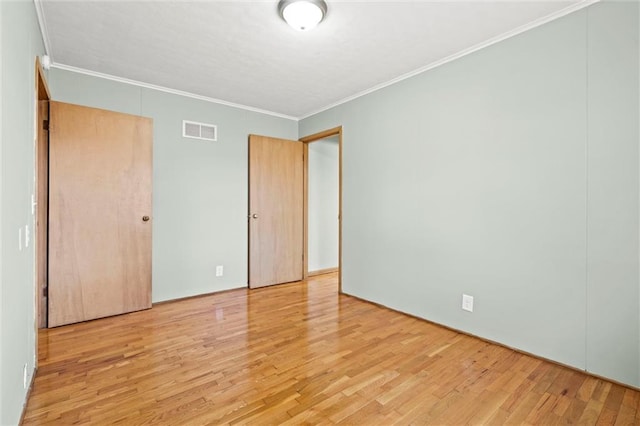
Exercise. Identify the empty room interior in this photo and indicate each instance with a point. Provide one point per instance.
(320, 212)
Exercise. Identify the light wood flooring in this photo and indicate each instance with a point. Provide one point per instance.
(301, 353)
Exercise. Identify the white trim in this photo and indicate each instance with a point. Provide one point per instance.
(465, 52)
(43, 27)
(168, 90)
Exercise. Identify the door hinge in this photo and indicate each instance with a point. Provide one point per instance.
(45, 125)
(45, 291)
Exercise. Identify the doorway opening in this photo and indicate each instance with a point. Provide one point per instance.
(42, 97)
(320, 219)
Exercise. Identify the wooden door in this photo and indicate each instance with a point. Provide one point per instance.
(42, 184)
(99, 208)
(275, 211)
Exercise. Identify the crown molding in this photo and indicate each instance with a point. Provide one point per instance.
(465, 52)
(169, 90)
(43, 27)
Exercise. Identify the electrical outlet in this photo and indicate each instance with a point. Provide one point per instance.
(24, 376)
(467, 302)
(219, 270)
(27, 236)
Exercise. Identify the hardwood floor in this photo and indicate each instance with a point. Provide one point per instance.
(300, 353)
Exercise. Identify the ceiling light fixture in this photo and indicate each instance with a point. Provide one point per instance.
(302, 14)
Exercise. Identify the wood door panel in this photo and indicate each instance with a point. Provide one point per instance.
(100, 188)
(42, 182)
(276, 197)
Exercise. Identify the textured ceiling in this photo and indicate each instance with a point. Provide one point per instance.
(242, 52)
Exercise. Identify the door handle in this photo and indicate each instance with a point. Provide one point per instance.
(145, 218)
(255, 216)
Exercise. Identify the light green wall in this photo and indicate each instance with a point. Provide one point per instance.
(200, 189)
(612, 198)
(511, 175)
(2, 402)
(20, 44)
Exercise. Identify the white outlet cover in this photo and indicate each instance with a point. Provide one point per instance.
(24, 376)
(467, 302)
(219, 270)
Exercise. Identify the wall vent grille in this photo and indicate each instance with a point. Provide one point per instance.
(202, 131)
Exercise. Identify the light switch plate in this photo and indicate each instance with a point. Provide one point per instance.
(467, 302)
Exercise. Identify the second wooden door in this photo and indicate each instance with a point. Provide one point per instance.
(99, 213)
(276, 198)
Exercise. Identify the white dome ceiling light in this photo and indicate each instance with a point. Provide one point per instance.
(302, 15)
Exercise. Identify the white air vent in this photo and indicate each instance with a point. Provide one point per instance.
(192, 129)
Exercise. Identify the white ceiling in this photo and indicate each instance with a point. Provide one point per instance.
(241, 52)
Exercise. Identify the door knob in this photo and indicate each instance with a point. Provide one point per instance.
(145, 218)
(255, 216)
